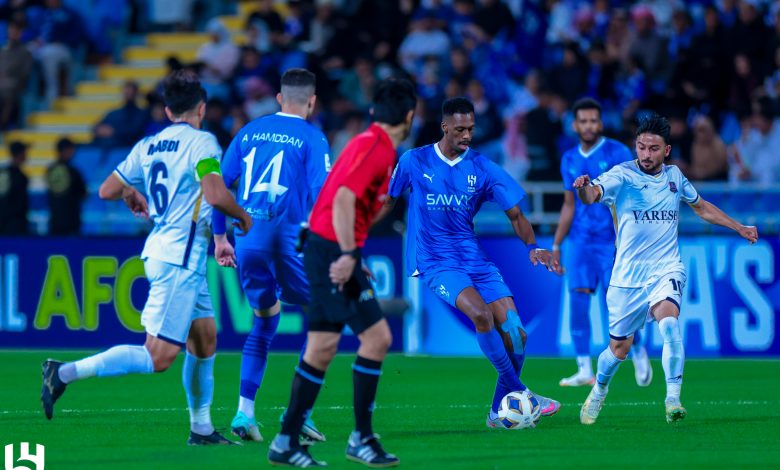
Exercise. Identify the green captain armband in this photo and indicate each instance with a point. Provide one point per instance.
(208, 166)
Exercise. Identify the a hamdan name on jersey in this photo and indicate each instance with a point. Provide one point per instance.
(273, 137)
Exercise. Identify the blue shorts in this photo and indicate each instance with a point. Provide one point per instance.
(267, 277)
(448, 283)
(588, 265)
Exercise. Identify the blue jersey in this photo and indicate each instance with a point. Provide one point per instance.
(445, 197)
(592, 223)
(280, 162)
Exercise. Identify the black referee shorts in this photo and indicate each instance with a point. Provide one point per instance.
(329, 308)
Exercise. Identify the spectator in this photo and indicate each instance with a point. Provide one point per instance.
(15, 64)
(488, 127)
(214, 122)
(219, 57)
(66, 191)
(423, 41)
(260, 99)
(756, 151)
(749, 35)
(650, 49)
(357, 84)
(619, 37)
(705, 66)
(493, 17)
(61, 32)
(124, 126)
(744, 81)
(265, 28)
(569, 79)
(157, 118)
(255, 64)
(709, 161)
(14, 200)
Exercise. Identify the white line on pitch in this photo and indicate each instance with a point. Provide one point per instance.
(385, 407)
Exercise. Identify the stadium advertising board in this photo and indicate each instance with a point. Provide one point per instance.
(730, 304)
(76, 293)
(88, 293)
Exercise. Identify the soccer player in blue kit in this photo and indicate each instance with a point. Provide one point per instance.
(591, 232)
(280, 162)
(449, 182)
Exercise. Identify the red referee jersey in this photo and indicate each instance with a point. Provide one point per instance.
(365, 167)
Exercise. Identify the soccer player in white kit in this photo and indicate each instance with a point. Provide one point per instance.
(179, 168)
(648, 275)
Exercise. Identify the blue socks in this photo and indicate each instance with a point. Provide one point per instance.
(119, 360)
(579, 303)
(492, 345)
(255, 354)
(198, 378)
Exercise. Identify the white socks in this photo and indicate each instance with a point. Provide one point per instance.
(246, 406)
(608, 365)
(119, 360)
(584, 367)
(198, 378)
(672, 357)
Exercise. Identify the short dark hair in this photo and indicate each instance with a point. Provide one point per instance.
(182, 91)
(457, 105)
(653, 123)
(298, 85)
(393, 99)
(585, 103)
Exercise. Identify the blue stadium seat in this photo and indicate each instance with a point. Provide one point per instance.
(743, 202)
(87, 161)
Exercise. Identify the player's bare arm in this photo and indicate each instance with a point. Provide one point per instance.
(384, 211)
(587, 193)
(564, 225)
(344, 226)
(113, 188)
(525, 232)
(219, 197)
(712, 214)
(224, 252)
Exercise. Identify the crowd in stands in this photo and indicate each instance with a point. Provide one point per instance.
(711, 66)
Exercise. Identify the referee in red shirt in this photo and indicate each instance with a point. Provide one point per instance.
(341, 293)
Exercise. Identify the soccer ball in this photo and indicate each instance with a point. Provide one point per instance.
(519, 410)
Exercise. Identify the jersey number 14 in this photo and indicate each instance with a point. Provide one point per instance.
(272, 186)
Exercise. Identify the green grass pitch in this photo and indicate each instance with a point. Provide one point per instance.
(431, 413)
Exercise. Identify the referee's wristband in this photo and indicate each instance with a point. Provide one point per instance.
(353, 253)
(532, 247)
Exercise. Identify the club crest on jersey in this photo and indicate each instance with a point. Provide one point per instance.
(472, 179)
(672, 187)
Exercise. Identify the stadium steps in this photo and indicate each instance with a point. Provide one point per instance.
(74, 116)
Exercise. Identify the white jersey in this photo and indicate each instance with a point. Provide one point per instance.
(165, 164)
(646, 211)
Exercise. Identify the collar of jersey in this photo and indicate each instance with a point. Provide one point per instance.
(288, 115)
(656, 175)
(592, 149)
(447, 160)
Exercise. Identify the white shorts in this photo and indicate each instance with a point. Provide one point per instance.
(177, 297)
(629, 307)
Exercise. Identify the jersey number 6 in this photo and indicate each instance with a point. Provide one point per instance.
(273, 187)
(158, 190)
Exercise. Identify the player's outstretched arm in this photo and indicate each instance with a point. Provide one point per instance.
(564, 225)
(217, 194)
(587, 193)
(525, 232)
(712, 214)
